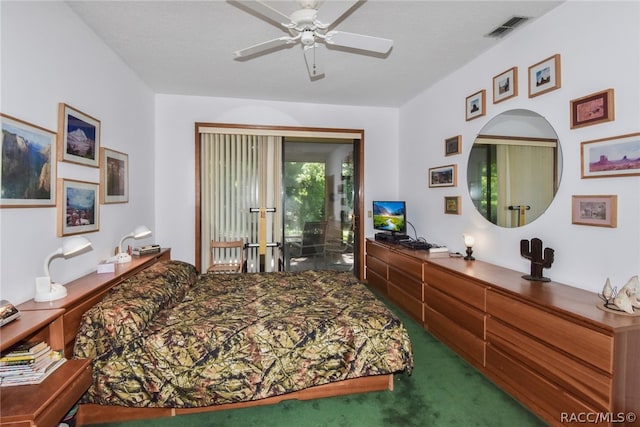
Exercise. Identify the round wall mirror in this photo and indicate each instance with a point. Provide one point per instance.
(514, 168)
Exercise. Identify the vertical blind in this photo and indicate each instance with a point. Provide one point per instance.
(239, 174)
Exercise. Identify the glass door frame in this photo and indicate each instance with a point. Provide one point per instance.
(356, 135)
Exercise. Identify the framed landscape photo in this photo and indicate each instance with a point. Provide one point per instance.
(28, 165)
(476, 105)
(453, 145)
(114, 176)
(592, 109)
(544, 76)
(78, 207)
(78, 137)
(600, 211)
(610, 157)
(505, 85)
(452, 205)
(443, 176)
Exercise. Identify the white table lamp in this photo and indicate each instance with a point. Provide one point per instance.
(46, 290)
(140, 232)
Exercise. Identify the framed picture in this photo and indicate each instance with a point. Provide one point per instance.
(452, 205)
(78, 208)
(476, 105)
(614, 156)
(544, 76)
(443, 176)
(453, 145)
(78, 137)
(592, 109)
(114, 176)
(28, 165)
(505, 85)
(600, 211)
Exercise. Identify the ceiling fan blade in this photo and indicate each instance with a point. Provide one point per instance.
(313, 58)
(359, 41)
(263, 47)
(331, 11)
(265, 10)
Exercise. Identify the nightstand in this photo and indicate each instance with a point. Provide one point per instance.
(44, 404)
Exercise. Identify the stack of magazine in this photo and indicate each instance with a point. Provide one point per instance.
(28, 363)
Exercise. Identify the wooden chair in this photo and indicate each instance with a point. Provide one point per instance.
(226, 257)
(313, 244)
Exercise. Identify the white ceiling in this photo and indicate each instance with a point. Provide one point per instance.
(186, 47)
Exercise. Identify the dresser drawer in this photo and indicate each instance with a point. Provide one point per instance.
(583, 381)
(594, 347)
(377, 266)
(463, 315)
(546, 399)
(378, 251)
(458, 338)
(409, 284)
(409, 266)
(456, 286)
(405, 301)
(377, 282)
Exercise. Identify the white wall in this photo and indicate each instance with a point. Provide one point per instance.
(175, 151)
(599, 44)
(50, 56)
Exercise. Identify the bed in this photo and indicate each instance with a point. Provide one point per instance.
(169, 341)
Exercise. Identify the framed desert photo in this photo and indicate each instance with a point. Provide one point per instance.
(592, 109)
(453, 145)
(114, 176)
(78, 137)
(505, 85)
(78, 208)
(28, 165)
(476, 105)
(443, 176)
(600, 211)
(544, 76)
(452, 205)
(608, 157)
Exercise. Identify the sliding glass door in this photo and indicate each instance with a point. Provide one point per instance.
(291, 194)
(318, 204)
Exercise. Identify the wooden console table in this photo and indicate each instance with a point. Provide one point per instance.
(546, 344)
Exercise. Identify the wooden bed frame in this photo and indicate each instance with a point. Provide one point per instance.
(95, 414)
(91, 413)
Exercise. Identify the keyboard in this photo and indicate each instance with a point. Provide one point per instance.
(416, 244)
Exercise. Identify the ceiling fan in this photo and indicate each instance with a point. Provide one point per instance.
(310, 26)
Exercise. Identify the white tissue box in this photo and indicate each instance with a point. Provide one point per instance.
(106, 267)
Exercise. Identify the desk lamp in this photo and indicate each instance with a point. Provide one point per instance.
(46, 290)
(139, 232)
(468, 242)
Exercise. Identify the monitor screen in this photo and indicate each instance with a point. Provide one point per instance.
(390, 216)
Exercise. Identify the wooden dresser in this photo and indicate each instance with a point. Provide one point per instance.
(546, 344)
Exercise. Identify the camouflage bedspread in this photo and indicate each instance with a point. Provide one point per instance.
(237, 338)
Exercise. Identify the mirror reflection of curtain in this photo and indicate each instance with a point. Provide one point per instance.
(240, 172)
(515, 162)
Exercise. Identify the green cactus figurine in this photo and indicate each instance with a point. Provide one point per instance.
(534, 253)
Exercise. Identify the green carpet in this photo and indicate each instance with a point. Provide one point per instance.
(443, 390)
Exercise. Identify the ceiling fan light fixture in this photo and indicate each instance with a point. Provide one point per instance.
(307, 38)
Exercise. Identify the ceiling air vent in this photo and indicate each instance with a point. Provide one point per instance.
(509, 25)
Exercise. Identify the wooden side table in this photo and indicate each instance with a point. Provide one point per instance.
(43, 404)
